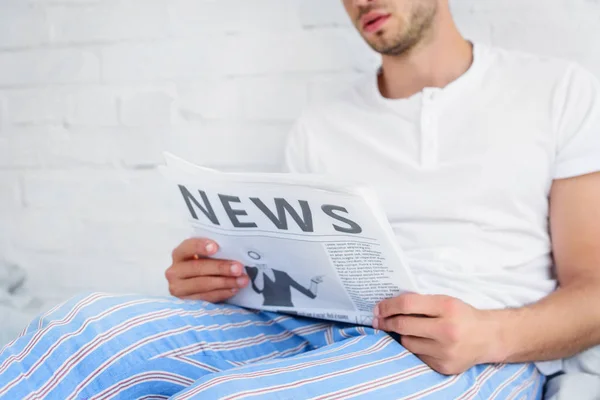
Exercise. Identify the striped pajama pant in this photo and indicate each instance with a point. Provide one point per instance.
(102, 346)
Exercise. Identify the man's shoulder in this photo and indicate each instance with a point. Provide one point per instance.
(529, 67)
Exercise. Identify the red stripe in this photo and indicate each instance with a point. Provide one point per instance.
(197, 364)
(126, 350)
(482, 378)
(172, 353)
(519, 388)
(51, 349)
(41, 321)
(137, 345)
(473, 388)
(215, 381)
(434, 389)
(39, 334)
(277, 354)
(240, 343)
(315, 379)
(507, 382)
(91, 346)
(377, 383)
(140, 378)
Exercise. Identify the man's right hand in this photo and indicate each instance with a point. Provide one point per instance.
(195, 276)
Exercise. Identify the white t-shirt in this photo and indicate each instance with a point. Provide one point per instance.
(464, 172)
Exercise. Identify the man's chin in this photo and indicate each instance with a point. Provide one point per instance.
(396, 48)
(386, 50)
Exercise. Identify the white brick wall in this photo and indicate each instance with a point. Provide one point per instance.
(91, 92)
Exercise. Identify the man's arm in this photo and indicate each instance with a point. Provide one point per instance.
(567, 321)
(455, 336)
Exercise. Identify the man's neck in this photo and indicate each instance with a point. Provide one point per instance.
(435, 62)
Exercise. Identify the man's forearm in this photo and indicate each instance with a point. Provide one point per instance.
(560, 325)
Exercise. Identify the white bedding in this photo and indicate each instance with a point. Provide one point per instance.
(16, 311)
(17, 306)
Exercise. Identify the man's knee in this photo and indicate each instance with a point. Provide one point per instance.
(89, 307)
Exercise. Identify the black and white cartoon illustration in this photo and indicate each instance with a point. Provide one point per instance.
(275, 285)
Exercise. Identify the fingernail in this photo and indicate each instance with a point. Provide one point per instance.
(241, 282)
(210, 248)
(375, 323)
(376, 311)
(236, 269)
(234, 290)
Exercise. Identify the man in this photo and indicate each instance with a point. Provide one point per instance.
(487, 164)
(275, 285)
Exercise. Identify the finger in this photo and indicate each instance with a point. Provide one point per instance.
(410, 326)
(412, 304)
(420, 346)
(431, 362)
(194, 247)
(205, 284)
(216, 296)
(205, 267)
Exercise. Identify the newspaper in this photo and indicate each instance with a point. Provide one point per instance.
(310, 246)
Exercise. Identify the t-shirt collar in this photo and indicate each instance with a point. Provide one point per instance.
(439, 94)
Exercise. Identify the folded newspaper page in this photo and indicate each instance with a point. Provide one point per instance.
(310, 246)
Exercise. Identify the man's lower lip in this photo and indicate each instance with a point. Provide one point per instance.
(375, 26)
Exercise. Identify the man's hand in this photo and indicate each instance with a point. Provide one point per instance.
(194, 276)
(448, 335)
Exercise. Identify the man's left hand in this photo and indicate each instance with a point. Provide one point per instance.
(445, 333)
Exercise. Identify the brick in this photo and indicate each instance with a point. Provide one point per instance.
(129, 147)
(273, 99)
(99, 195)
(87, 106)
(48, 66)
(252, 98)
(147, 109)
(10, 191)
(210, 99)
(36, 106)
(162, 60)
(129, 241)
(326, 87)
(72, 275)
(192, 17)
(108, 21)
(94, 107)
(42, 231)
(76, 147)
(289, 52)
(49, 146)
(317, 13)
(15, 153)
(64, 2)
(304, 51)
(142, 148)
(231, 145)
(22, 25)
(135, 62)
(3, 111)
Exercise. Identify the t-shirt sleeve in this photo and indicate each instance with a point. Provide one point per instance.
(578, 124)
(297, 149)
